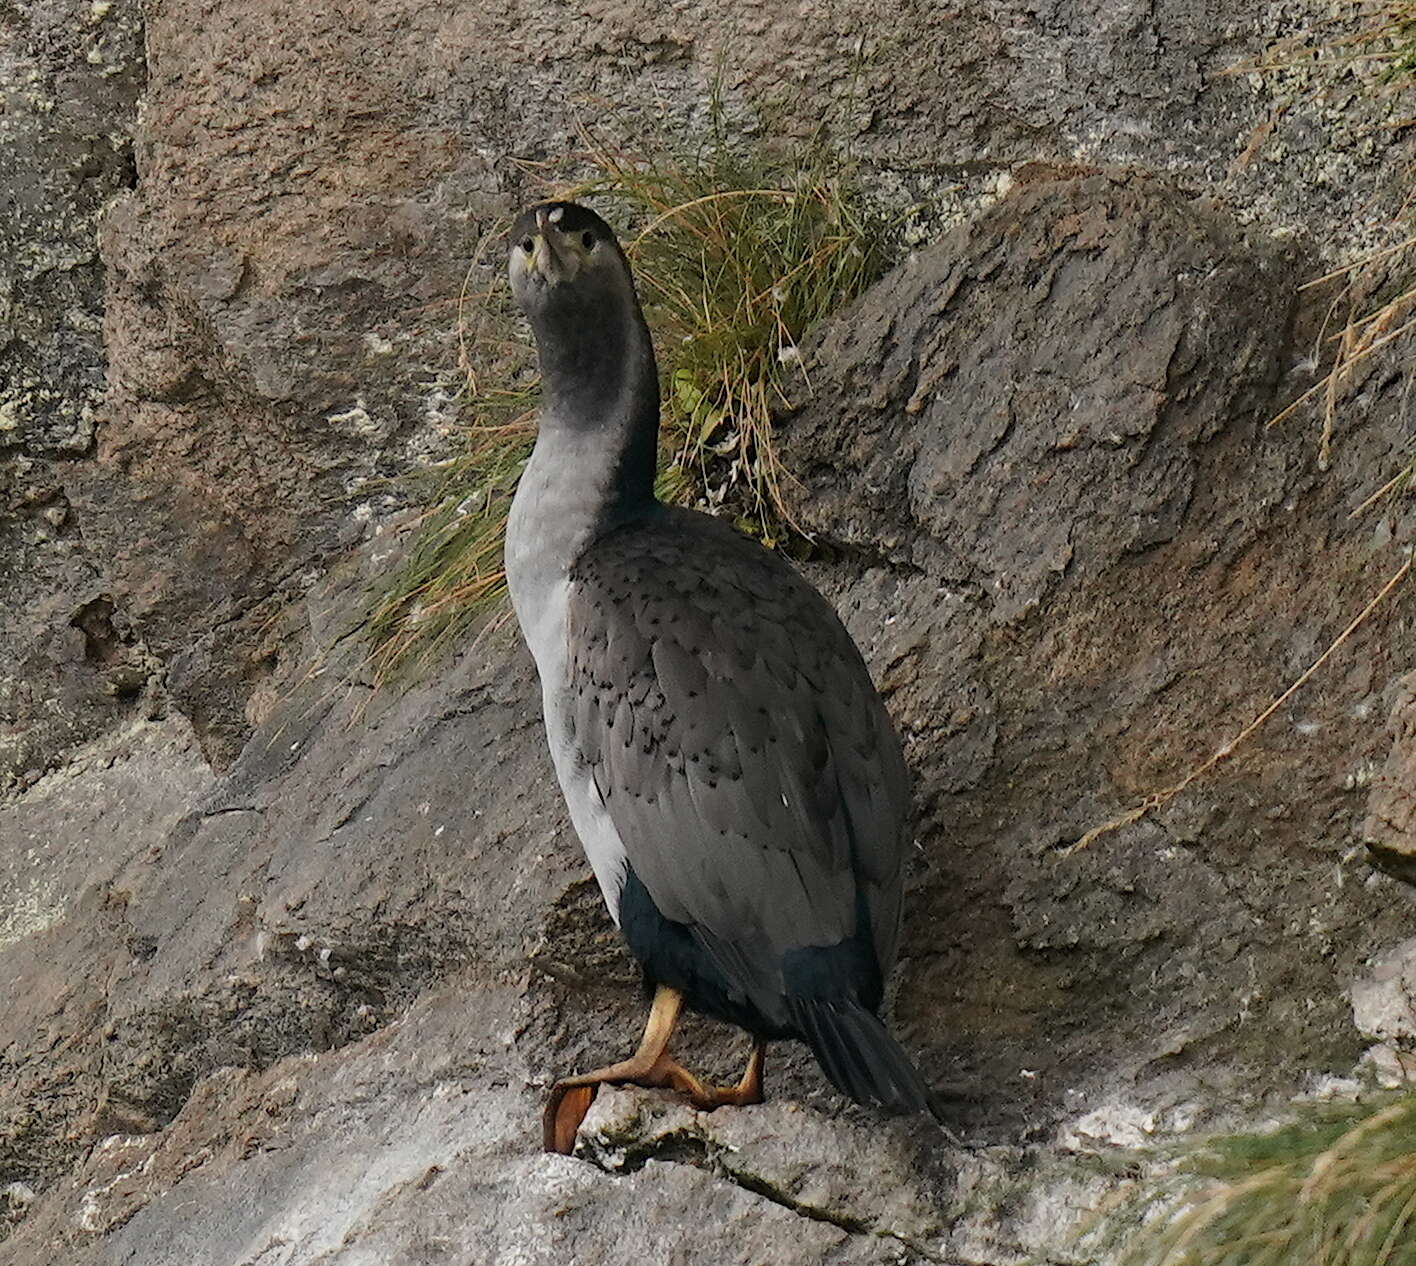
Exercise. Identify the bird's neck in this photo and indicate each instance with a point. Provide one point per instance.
(601, 405)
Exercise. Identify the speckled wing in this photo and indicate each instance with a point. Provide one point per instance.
(735, 737)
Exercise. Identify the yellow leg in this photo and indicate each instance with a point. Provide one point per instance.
(571, 1098)
(649, 1066)
(749, 1089)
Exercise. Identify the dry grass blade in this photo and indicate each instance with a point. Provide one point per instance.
(1375, 257)
(1403, 478)
(1398, 1230)
(1159, 799)
(1390, 29)
(1375, 34)
(1380, 35)
(1358, 339)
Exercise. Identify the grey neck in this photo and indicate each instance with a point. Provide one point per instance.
(601, 403)
(593, 466)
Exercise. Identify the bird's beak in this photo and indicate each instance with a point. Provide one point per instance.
(546, 259)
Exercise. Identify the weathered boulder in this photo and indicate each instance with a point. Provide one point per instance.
(285, 962)
(1082, 564)
(281, 325)
(71, 666)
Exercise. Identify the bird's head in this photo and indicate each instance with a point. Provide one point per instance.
(565, 265)
(572, 281)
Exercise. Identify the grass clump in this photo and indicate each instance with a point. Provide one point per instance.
(1388, 37)
(1375, 305)
(737, 250)
(740, 254)
(1337, 1188)
(1367, 326)
(452, 574)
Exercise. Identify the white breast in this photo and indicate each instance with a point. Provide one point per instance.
(550, 522)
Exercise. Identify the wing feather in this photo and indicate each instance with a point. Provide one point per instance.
(739, 746)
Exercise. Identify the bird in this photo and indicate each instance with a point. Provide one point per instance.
(733, 776)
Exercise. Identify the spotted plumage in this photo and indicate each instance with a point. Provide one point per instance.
(726, 761)
(732, 733)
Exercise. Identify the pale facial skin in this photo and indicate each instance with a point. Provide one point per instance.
(548, 252)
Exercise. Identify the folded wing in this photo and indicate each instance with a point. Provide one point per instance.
(733, 733)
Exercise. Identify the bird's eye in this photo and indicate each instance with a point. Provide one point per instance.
(587, 239)
(528, 245)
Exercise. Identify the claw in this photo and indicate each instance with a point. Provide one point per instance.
(565, 1110)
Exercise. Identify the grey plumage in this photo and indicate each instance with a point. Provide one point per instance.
(726, 761)
(733, 734)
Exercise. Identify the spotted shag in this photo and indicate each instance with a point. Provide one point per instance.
(730, 769)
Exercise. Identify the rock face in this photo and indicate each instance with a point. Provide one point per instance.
(71, 665)
(1042, 447)
(283, 277)
(286, 961)
(1391, 828)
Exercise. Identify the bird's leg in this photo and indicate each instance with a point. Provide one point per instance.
(650, 1066)
(749, 1089)
(705, 1097)
(571, 1099)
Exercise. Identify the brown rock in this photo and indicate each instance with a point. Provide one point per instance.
(303, 1011)
(305, 914)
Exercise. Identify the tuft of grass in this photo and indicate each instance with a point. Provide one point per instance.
(737, 250)
(1387, 37)
(1375, 305)
(741, 252)
(452, 574)
(1379, 35)
(1335, 1188)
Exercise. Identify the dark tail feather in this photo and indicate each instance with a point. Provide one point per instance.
(857, 1053)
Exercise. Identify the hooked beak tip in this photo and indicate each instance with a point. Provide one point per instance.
(540, 262)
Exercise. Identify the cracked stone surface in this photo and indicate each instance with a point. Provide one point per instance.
(1030, 517)
(415, 1127)
(1391, 825)
(71, 667)
(286, 964)
(282, 260)
(383, 879)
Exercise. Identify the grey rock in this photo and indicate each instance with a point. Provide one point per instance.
(1031, 398)
(279, 234)
(381, 900)
(1054, 658)
(1384, 1000)
(417, 1146)
(69, 81)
